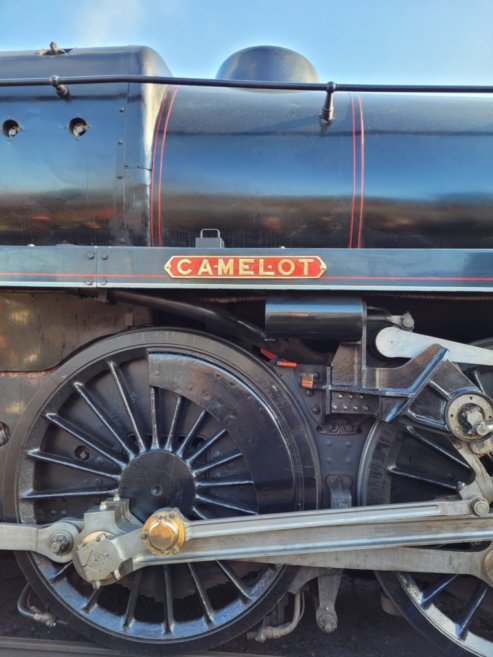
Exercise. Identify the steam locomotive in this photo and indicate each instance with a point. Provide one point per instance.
(213, 396)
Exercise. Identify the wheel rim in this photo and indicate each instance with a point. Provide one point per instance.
(403, 463)
(102, 429)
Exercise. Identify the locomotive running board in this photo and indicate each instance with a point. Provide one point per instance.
(92, 267)
(113, 543)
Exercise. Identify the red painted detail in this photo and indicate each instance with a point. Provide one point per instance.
(407, 278)
(362, 177)
(163, 276)
(268, 354)
(307, 381)
(286, 363)
(240, 267)
(153, 172)
(165, 130)
(353, 201)
(44, 274)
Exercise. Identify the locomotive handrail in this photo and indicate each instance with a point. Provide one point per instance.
(61, 83)
(245, 84)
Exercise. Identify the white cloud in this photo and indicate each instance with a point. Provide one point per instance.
(107, 22)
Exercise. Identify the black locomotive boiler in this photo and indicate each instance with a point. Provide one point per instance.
(212, 395)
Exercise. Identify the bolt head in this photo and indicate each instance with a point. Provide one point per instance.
(481, 507)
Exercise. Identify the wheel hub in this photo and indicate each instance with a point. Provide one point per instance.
(157, 479)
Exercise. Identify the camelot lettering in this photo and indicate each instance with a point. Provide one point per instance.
(193, 266)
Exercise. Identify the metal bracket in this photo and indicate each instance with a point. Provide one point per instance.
(62, 90)
(328, 109)
(210, 238)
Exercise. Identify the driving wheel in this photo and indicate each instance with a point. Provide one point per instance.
(215, 433)
(406, 463)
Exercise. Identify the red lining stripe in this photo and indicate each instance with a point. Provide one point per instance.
(353, 201)
(406, 278)
(153, 173)
(16, 274)
(362, 163)
(165, 130)
(165, 276)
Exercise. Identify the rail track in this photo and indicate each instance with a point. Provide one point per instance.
(22, 647)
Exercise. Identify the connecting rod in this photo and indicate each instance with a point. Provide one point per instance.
(111, 542)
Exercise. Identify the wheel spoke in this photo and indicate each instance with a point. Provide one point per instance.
(92, 600)
(168, 600)
(204, 598)
(153, 393)
(79, 434)
(477, 379)
(216, 463)
(419, 477)
(200, 514)
(472, 607)
(429, 594)
(129, 615)
(234, 579)
(37, 455)
(62, 572)
(174, 424)
(221, 483)
(207, 445)
(54, 494)
(191, 434)
(224, 504)
(125, 397)
(101, 415)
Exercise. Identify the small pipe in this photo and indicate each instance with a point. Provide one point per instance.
(31, 612)
(270, 632)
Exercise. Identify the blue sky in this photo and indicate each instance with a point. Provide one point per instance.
(422, 41)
